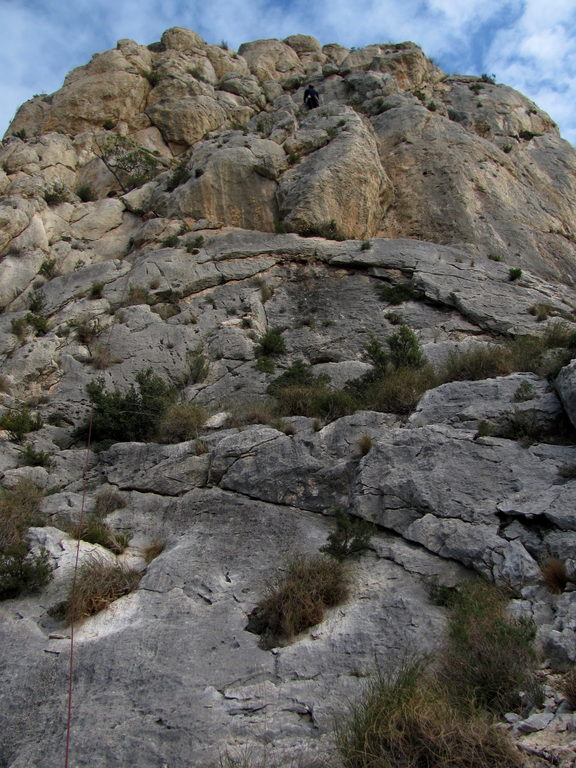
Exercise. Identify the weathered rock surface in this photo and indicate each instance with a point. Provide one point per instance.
(417, 193)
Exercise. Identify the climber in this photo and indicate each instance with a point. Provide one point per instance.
(311, 97)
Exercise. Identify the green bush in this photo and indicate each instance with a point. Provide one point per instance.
(56, 193)
(36, 301)
(271, 343)
(19, 421)
(95, 291)
(85, 192)
(130, 164)
(38, 322)
(170, 242)
(404, 349)
(48, 268)
(299, 599)
(399, 293)
(179, 176)
(29, 457)
(351, 536)
(265, 365)
(515, 273)
(128, 415)
(404, 720)
(489, 659)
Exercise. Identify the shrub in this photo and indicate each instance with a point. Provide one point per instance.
(48, 268)
(179, 176)
(366, 245)
(299, 599)
(400, 390)
(554, 574)
(489, 659)
(20, 571)
(170, 242)
(198, 368)
(404, 719)
(30, 457)
(522, 425)
(38, 322)
(56, 193)
(152, 77)
(86, 330)
(328, 230)
(85, 191)
(265, 365)
(130, 164)
(19, 327)
(130, 415)
(494, 257)
(351, 536)
(95, 291)
(271, 343)
(404, 349)
(19, 421)
(97, 585)
(399, 293)
(541, 311)
(181, 421)
(515, 273)
(524, 392)
(194, 244)
(36, 301)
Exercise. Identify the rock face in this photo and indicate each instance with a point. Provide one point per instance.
(175, 209)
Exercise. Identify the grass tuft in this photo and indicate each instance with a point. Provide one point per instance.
(299, 599)
(98, 584)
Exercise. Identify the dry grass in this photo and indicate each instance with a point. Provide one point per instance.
(489, 658)
(94, 531)
(19, 509)
(400, 390)
(98, 584)
(152, 550)
(107, 501)
(554, 574)
(405, 721)
(365, 444)
(181, 421)
(568, 687)
(299, 599)
(477, 362)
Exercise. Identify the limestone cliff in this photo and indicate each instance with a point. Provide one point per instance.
(174, 207)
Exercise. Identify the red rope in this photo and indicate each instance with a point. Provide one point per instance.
(71, 665)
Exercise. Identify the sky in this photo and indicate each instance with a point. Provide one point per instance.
(527, 44)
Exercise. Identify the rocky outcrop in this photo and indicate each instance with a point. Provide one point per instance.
(173, 209)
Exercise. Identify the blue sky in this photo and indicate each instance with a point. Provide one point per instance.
(527, 44)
